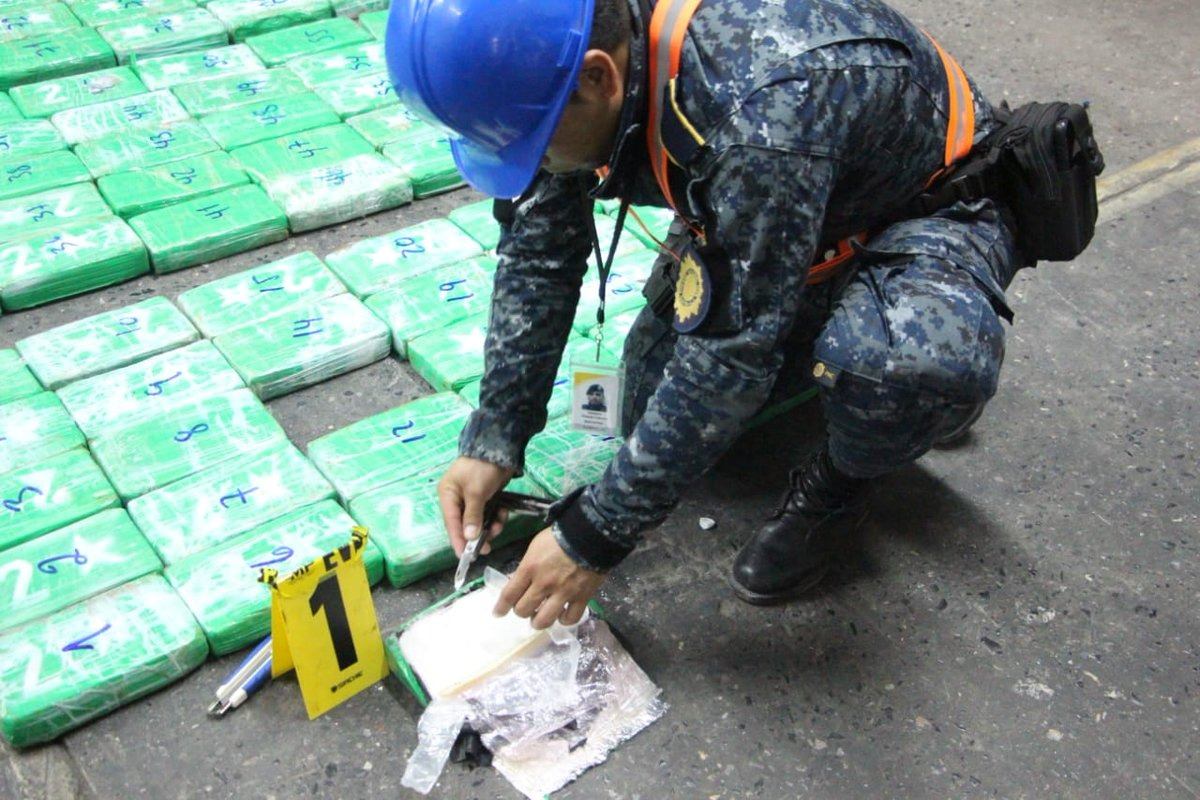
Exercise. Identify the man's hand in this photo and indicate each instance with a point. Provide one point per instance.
(548, 584)
(463, 492)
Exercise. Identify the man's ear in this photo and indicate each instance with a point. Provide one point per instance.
(600, 78)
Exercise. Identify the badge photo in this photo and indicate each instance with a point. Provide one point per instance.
(596, 398)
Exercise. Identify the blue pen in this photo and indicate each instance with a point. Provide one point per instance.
(251, 674)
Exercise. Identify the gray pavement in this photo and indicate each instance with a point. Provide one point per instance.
(1019, 621)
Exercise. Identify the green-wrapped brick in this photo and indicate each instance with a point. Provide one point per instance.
(106, 341)
(311, 343)
(184, 440)
(405, 519)
(117, 116)
(95, 13)
(142, 148)
(46, 496)
(259, 294)
(451, 358)
(94, 657)
(216, 505)
(221, 585)
(16, 381)
(321, 147)
(623, 291)
(385, 125)
(166, 72)
(350, 189)
(374, 23)
(25, 176)
(425, 155)
(33, 429)
(363, 57)
(176, 32)
(381, 262)
(478, 221)
(649, 223)
(268, 119)
(71, 564)
(41, 58)
(137, 191)
(617, 328)
(245, 18)
(44, 20)
(22, 217)
(49, 97)
(407, 440)
(358, 95)
(27, 138)
(352, 8)
(281, 46)
(231, 91)
(210, 227)
(76, 257)
(8, 109)
(132, 394)
(435, 300)
(561, 459)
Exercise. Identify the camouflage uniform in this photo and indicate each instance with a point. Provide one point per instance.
(822, 118)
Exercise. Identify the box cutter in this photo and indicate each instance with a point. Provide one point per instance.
(516, 503)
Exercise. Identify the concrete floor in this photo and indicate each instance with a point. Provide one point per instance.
(1019, 621)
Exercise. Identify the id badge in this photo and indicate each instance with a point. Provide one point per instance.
(596, 393)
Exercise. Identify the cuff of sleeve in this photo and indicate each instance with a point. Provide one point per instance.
(584, 541)
(493, 440)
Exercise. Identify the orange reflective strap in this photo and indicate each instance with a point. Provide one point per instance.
(960, 129)
(668, 25)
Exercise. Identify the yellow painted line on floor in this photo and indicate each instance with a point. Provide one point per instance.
(1136, 180)
(1154, 189)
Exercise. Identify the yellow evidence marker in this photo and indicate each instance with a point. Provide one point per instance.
(323, 625)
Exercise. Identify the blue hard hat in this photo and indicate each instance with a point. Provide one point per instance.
(496, 73)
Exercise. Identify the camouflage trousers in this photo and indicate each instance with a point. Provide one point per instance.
(905, 347)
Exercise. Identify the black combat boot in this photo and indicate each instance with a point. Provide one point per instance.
(791, 553)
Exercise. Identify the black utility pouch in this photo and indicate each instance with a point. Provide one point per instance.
(1049, 161)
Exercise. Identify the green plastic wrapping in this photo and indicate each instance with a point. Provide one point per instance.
(118, 116)
(142, 148)
(33, 429)
(184, 440)
(22, 217)
(75, 257)
(8, 109)
(617, 328)
(25, 176)
(648, 223)
(177, 32)
(221, 586)
(561, 459)
(216, 505)
(374, 23)
(281, 46)
(268, 119)
(479, 222)
(381, 262)
(49, 97)
(95, 13)
(46, 496)
(258, 294)
(210, 227)
(426, 157)
(311, 343)
(622, 293)
(350, 189)
(16, 381)
(352, 8)
(359, 94)
(606, 227)
(452, 357)
(167, 72)
(405, 520)
(435, 300)
(407, 440)
(321, 147)
(137, 191)
(360, 57)
(93, 657)
(68, 52)
(41, 21)
(385, 125)
(231, 91)
(133, 394)
(62, 567)
(27, 138)
(106, 341)
(245, 18)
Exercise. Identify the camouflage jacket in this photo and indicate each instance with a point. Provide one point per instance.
(803, 147)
